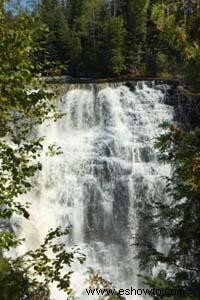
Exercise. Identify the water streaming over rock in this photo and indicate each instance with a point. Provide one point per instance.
(108, 167)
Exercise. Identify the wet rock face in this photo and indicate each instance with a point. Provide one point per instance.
(186, 106)
(187, 111)
(131, 85)
(171, 95)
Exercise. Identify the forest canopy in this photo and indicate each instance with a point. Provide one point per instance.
(111, 37)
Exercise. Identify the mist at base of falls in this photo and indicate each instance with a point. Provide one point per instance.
(109, 167)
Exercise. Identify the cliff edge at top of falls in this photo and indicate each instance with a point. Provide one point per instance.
(186, 102)
(85, 79)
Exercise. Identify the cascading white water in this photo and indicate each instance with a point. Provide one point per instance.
(108, 166)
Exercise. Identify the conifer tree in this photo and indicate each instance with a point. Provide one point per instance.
(135, 14)
(114, 35)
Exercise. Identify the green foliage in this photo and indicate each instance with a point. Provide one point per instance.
(162, 37)
(51, 259)
(177, 24)
(29, 275)
(86, 27)
(24, 103)
(178, 220)
(14, 283)
(58, 37)
(114, 32)
(135, 19)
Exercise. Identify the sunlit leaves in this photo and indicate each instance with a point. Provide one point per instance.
(24, 103)
(53, 261)
(178, 26)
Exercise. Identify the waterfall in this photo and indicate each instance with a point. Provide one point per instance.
(107, 168)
